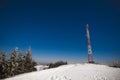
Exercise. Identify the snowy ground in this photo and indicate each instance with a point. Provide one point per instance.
(41, 67)
(73, 72)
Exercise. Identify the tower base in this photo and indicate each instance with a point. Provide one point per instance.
(91, 61)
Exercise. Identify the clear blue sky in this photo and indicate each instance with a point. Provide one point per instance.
(55, 29)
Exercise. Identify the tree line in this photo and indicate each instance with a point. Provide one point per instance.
(16, 63)
(57, 64)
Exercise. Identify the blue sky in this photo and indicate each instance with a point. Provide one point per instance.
(56, 29)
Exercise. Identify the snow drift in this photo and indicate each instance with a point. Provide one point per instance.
(73, 72)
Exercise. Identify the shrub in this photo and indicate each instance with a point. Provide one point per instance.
(115, 64)
(56, 64)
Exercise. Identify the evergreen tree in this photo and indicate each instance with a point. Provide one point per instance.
(3, 65)
(28, 61)
(16, 63)
(13, 62)
(20, 66)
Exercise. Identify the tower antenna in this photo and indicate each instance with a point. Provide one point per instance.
(90, 58)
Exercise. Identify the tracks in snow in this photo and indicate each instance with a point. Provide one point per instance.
(73, 72)
(60, 74)
(59, 78)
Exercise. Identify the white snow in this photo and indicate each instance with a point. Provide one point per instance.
(73, 72)
(41, 67)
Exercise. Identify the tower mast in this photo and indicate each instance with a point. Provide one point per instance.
(90, 58)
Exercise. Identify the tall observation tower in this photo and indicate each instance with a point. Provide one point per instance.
(90, 58)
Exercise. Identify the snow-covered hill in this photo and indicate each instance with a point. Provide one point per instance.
(73, 72)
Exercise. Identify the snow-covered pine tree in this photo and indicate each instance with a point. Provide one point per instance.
(28, 61)
(20, 66)
(16, 63)
(13, 62)
(3, 65)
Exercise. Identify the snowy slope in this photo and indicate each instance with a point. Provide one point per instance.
(73, 72)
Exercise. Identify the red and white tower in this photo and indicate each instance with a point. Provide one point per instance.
(90, 59)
